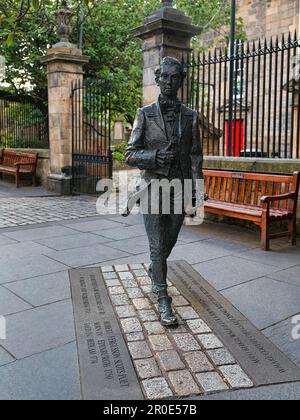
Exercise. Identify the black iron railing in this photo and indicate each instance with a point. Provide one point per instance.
(91, 132)
(22, 125)
(266, 103)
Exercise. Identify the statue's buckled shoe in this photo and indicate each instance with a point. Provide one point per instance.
(167, 316)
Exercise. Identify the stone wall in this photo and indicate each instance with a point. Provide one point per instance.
(267, 18)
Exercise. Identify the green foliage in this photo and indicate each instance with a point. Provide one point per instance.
(11, 142)
(119, 152)
(26, 32)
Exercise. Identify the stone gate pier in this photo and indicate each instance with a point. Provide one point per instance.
(64, 62)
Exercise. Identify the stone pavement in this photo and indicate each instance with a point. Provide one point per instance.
(22, 211)
(38, 359)
(34, 205)
(188, 360)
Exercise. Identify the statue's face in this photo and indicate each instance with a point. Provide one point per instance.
(170, 80)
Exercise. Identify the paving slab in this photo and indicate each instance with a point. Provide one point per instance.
(283, 392)
(95, 225)
(6, 241)
(10, 303)
(43, 290)
(39, 329)
(126, 232)
(170, 360)
(73, 241)
(137, 245)
(190, 235)
(290, 276)
(143, 257)
(25, 235)
(281, 335)
(264, 301)
(86, 255)
(157, 388)
(57, 378)
(211, 382)
(206, 250)
(236, 377)
(14, 269)
(147, 368)
(209, 341)
(22, 250)
(5, 357)
(132, 219)
(221, 357)
(183, 383)
(223, 273)
(285, 257)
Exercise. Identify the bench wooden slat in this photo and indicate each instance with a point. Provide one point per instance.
(243, 190)
(207, 184)
(236, 190)
(224, 189)
(271, 188)
(263, 188)
(249, 192)
(278, 192)
(218, 193)
(256, 191)
(230, 190)
(286, 191)
(212, 188)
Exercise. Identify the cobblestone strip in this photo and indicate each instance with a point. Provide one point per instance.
(187, 361)
(24, 211)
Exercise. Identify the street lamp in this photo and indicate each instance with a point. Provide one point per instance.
(231, 74)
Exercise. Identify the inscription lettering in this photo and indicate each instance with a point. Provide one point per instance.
(97, 294)
(85, 296)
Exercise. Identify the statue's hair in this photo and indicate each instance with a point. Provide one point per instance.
(171, 62)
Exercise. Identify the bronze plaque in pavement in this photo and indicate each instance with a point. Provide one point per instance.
(106, 369)
(258, 356)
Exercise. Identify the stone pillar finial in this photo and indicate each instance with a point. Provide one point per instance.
(165, 32)
(64, 24)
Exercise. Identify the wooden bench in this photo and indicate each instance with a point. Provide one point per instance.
(18, 163)
(259, 198)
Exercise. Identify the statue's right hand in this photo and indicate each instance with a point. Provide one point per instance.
(164, 158)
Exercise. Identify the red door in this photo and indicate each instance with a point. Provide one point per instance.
(237, 138)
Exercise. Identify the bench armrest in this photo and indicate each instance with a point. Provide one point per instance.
(273, 198)
(25, 164)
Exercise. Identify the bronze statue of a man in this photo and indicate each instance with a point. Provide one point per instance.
(165, 145)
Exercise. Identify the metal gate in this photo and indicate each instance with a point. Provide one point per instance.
(266, 100)
(22, 125)
(91, 121)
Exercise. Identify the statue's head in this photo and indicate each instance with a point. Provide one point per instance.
(170, 76)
